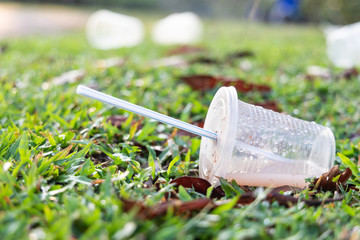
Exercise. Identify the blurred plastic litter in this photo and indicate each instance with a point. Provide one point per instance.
(178, 28)
(314, 71)
(109, 62)
(109, 30)
(68, 77)
(343, 45)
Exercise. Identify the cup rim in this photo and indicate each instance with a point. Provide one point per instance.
(224, 123)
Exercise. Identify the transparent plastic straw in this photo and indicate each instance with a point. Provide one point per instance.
(88, 92)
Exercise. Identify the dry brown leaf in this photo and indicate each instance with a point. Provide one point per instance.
(206, 82)
(205, 60)
(289, 201)
(243, 86)
(180, 207)
(349, 73)
(272, 105)
(177, 206)
(283, 200)
(185, 49)
(200, 185)
(325, 181)
(239, 54)
(200, 82)
(117, 120)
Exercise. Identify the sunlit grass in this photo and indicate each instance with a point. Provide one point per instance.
(54, 143)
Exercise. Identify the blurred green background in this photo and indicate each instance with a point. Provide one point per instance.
(319, 11)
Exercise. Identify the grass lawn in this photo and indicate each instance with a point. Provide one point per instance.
(65, 170)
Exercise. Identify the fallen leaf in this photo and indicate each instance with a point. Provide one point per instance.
(239, 54)
(117, 120)
(242, 86)
(205, 60)
(185, 49)
(206, 82)
(344, 176)
(180, 207)
(325, 181)
(200, 82)
(201, 186)
(288, 201)
(198, 184)
(283, 200)
(177, 206)
(139, 207)
(353, 187)
(272, 105)
(220, 190)
(349, 73)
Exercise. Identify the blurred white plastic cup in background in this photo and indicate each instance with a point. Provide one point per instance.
(343, 45)
(178, 28)
(260, 147)
(109, 30)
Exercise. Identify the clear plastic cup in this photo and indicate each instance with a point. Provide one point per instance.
(260, 147)
(343, 45)
(178, 28)
(109, 30)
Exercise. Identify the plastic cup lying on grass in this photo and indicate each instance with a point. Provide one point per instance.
(260, 147)
(249, 144)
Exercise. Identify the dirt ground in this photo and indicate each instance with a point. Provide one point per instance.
(20, 20)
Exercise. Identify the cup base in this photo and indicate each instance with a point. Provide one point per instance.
(269, 179)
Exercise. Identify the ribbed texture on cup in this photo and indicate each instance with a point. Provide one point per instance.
(280, 135)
